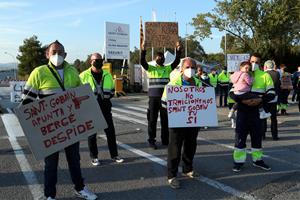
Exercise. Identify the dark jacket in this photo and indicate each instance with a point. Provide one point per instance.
(276, 79)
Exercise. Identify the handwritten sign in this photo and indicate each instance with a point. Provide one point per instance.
(190, 106)
(57, 121)
(234, 61)
(161, 34)
(16, 90)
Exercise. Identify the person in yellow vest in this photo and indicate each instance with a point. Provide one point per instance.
(285, 87)
(185, 137)
(213, 79)
(103, 87)
(46, 80)
(158, 75)
(223, 81)
(248, 121)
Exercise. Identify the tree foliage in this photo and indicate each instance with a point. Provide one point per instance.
(270, 27)
(32, 54)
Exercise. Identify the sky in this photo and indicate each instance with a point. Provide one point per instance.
(79, 24)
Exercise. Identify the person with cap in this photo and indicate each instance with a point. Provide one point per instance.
(159, 75)
(46, 80)
(103, 87)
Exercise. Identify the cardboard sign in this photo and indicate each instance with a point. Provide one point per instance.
(190, 106)
(234, 61)
(57, 121)
(16, 90)
(161, 34)
(117, 41)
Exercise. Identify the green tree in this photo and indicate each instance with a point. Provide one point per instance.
(32, 54)
(269, 27)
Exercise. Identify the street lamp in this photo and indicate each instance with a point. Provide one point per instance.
(14, 59)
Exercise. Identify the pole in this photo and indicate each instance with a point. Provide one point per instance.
(186, 40)
(14, 60)
(225, 45)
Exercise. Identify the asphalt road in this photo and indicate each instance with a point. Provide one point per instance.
(143, 174)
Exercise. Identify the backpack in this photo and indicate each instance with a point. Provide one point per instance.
(286, 81)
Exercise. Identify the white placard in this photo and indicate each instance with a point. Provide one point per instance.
(16, 90)
(57, 121)
(117, 41)
(234, 61)
(190, 106)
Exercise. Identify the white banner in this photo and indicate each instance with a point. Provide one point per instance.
(234, 61)
(117, 41)
(57, 121)
(16, 90)
(190, 106)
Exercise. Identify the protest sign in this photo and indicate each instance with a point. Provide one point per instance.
(16, 90)
(190, 106)
(57, 121)
(161, 34)
(234, 61)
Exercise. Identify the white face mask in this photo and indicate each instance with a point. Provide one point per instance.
(255, 66)
(56, 60)
(189, 73)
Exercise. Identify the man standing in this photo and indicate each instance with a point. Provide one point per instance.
(269, 67)
(223, 80)
(158, 77)
(45, 80)
(295, 80)
(102, 85)
(213, 79)
(185, 137)
(248, 121)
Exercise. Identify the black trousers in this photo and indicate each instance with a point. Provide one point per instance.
(152, 115)
(223, 95)
(248, 122)
(274, 128)
(109, 131)
(185, 138)
(283, 96)
(50, 173)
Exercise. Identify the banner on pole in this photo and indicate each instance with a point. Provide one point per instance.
(117, 41)
(55, 122)
(190, 106)
(161, 34)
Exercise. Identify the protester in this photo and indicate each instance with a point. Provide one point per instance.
(185, 137)
(285, 87)
(202, 76)
(248, 121)
(269, 67)
(158, 77)
(242, 83)
(45, 80)
(223, 81)
(213, 79)
(102, 85)
(295, 80)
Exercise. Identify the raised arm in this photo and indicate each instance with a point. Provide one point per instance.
(143, 57)
(177, 58)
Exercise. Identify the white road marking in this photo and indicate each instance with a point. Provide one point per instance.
(9, 110)
(10, 125)
(203, 179)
